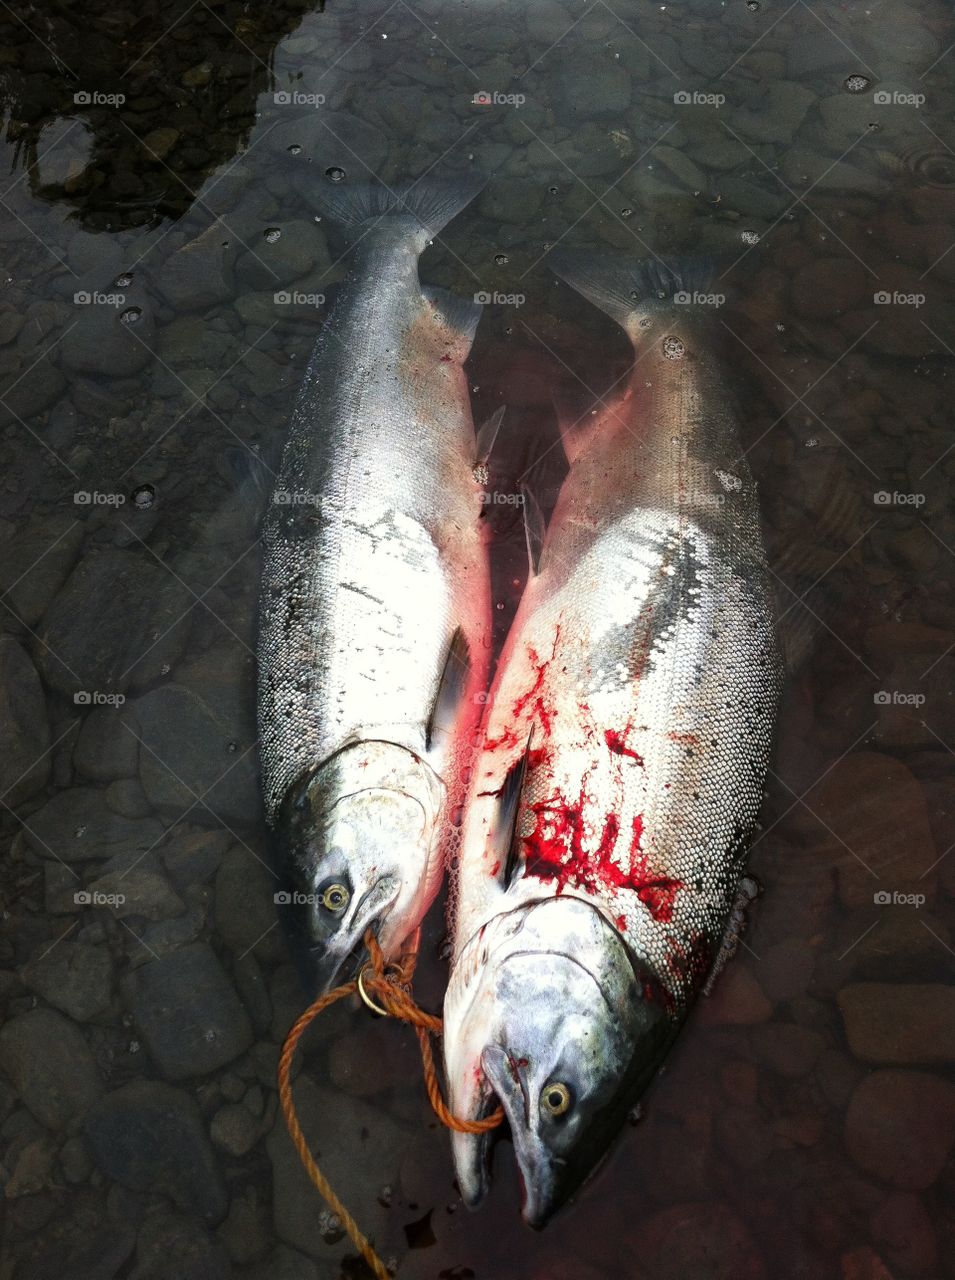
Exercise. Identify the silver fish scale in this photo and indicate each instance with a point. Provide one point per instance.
(642, 670)
(375, 557)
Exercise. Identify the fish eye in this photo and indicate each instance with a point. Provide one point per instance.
(334, 897)
(556, 1098)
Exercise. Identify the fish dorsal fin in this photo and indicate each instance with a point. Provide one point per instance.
(486, 434)
(534, 529)
(451, 690)
(504, 843)
(460, 315)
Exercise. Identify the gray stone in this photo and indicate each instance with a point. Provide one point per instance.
(235, 1130)
(138, 891)
(284, 1263)
(27, 392)
(900, 1127)
(327, 139)
(172, 1244)
(77, 824)
(817, 50)
(247, 1231)
(120, 622)
(195, 858)
(270, 263)
(200, 274)
(50, 1066)
(355, 1142)
(252, 987)
(107, 747)
(191, 750)
(112, 338)
(149, 1136)
(74, 978)
(24, 728)
(188, 1013)
(245, 904)
(900, 1023)
(126, 797)
(34, 564)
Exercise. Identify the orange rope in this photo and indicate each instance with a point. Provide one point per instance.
(391, 991)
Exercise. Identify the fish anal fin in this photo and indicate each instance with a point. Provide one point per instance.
(486, 434)
(504, 845)
(534, 529)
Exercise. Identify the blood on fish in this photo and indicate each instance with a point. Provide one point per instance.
(555, 851)
(617, 743)
(686, 739)
(495, 869)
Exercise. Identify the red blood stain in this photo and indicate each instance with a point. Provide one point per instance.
(685, 739)
(445, 359)
(617, 743)
(621, 923)
(555, 851)
(536, 758)
(495, 869)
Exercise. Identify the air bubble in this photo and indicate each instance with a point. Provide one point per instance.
(626, 213)
(752, 5)
(749, 237)
(294, 149)
(130, 315)
(334, 174)
(856, 84)
(144, 497)
(673, 348)
(500, 259)
(272, 234)
(123, 281)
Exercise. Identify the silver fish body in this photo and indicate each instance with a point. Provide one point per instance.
(627, 736)
(374, 606)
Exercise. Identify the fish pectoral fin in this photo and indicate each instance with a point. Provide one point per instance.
(534, 529)
(451, 690)
(504, 845)
(460, 315)
(486, 434)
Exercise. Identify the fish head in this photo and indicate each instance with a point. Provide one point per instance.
(360, 839)
(559, 1028)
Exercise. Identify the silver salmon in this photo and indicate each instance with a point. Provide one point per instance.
(627, 736)
(374, 611)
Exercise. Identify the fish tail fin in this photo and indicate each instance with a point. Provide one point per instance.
(624, 290)
(430, 203)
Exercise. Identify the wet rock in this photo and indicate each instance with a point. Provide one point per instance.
(270, 263)
(252, 987)
(195, 858)
(900, 1127)
(173, 934)
(780, 111)
(24, 729)
(150, 1137)
(737, 999)
(580, 71)
(838, 1076)
(872, 825)
(510, 200)
(172, 1244)
(191, 750)
(903, 1229)
(188, 1013)
(30, 391)
(284, 1263)
(327, 139)
(786, 968)
(900, 1023)
(118, 623)
(34, 564)
(77, 824)
(245, 904)
(247, 1231)
(864, 1264)
(83, 1249)
(355, 1141)
(61, 885)
(75, 978)
(75, 1162)
(200, 274)
(115, 338)
(107, 747)
(50, 1066)
(698, 1239)
(127, 798)
(803, 168)
(829, 286)
(137, 891)
(234, 1130)
(787, 1049)
(32, 1170)
(809, 53)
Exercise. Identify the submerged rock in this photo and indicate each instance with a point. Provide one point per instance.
(51, 1067)
(149, 1136)
(188, 1012)
(900, 1023)
(24, 729)
(74, 977)
(900, 1127)
(77, 824)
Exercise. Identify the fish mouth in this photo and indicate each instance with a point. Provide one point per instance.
(341, 956)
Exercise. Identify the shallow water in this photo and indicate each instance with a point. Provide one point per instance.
(165, 279)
